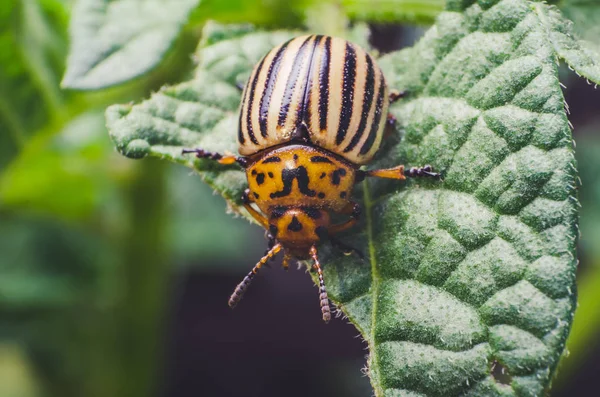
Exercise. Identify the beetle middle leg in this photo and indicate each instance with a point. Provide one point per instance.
(352, 209)
(218, 157)
(345, 248)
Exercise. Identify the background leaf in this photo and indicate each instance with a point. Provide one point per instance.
(470, 285)
(31, 58)
(582, 56)
(421, 12)
(116, 41)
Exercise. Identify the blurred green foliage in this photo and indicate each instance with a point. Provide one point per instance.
(74, 214)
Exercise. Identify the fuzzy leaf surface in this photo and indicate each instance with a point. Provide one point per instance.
(463, 276)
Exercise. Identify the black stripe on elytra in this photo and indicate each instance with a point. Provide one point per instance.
(324, 84)
(295, 225)
(241, 138)
(304, 110)
(368, 94)
(288, 176)
(272, 75)
(320, 159)
(291, 82)
(272, 159)
(375, 126)
(347, 93)
(250, 102)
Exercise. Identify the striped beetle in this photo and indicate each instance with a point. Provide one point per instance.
(312, 112)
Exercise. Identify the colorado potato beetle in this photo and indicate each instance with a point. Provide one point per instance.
(313, 111)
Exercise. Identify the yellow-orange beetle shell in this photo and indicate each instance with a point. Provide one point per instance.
(321, 90)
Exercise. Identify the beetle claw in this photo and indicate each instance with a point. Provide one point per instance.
(425, 171)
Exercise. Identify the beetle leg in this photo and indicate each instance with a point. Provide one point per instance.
(353, 209)
(241, 288)
(345, 248)
(391, 121)
(426, 170)
(227, 159)
(398, 172)
(323, 299)
(239, 86)
(396, 95)
(271, 242)
(286, 261)
(260, 218)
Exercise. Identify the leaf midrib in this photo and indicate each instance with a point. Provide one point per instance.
(375, 281)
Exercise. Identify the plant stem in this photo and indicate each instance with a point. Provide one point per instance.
(145, 275)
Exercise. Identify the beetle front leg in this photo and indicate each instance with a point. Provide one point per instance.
(218, 157)
(260, 218)
(398, 173)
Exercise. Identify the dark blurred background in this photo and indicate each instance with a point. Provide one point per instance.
(115, 274)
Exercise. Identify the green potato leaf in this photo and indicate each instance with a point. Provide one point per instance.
(468, 288)
(116, 41)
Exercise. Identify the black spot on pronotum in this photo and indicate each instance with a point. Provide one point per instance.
(256, 195)
(343, 194)
(320, 159)
(312, 212)
(273, 230)
(295, 157)
(272, 159)
(260, 178)
(323, 175)
(270, 174)
(288, 176)
(321, 195)
(278, 212)
(295, 225)
(253, 172)
(336, 176)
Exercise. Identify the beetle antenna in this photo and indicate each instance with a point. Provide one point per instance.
(241, 288)
(324, 300)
